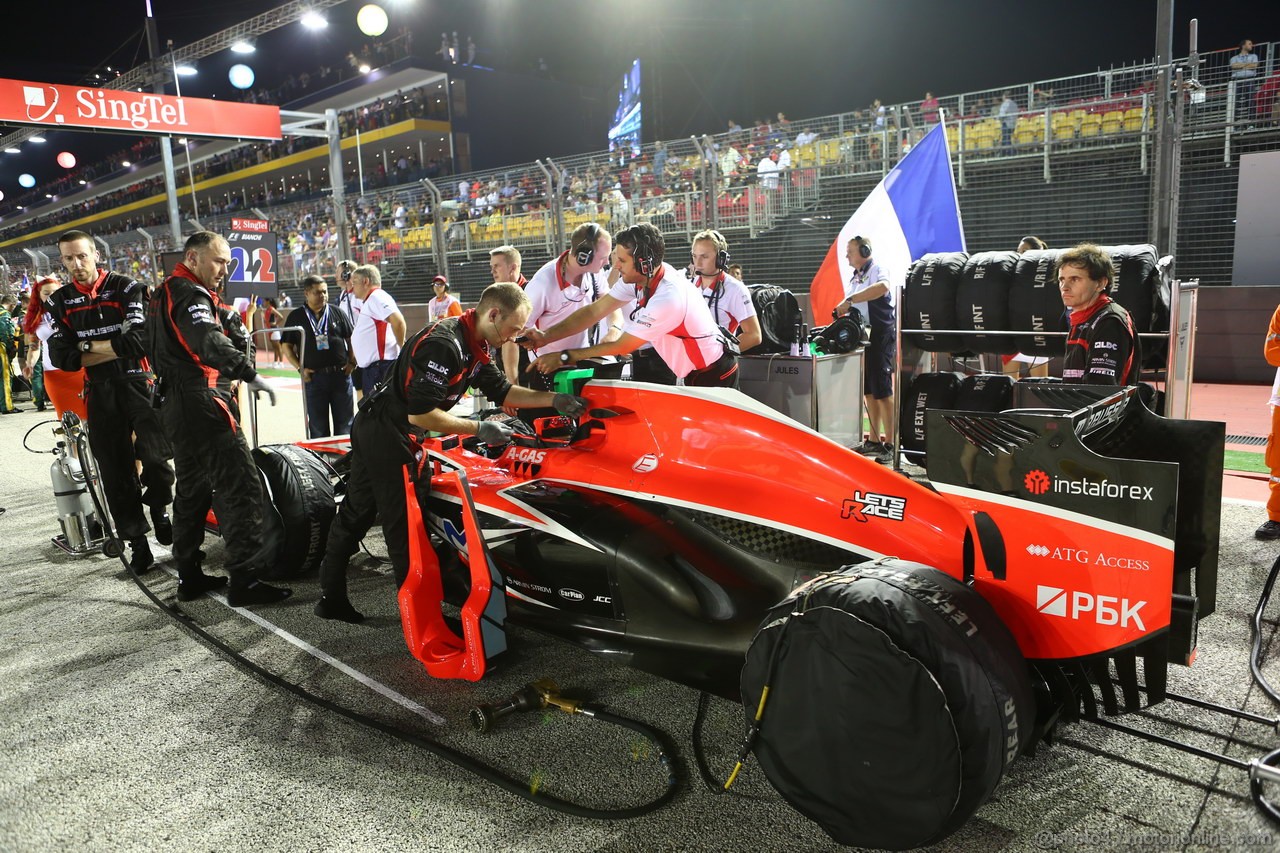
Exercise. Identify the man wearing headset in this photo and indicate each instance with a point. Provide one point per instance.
(869, 284)
(727, 297)
(563, 285)
(663, 310)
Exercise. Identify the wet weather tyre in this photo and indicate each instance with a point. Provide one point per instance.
(897, 699)
(926, 391)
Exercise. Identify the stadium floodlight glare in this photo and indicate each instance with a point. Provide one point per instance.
(243, 46)
(241, 76)
(67, 160)
(364, 68)
(12, 150)
(26, 181)
(314, 21)
(37, 139)
(372, 20)
(184, 70)
(125, 164)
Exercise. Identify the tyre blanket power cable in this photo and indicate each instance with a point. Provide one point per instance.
(519, 787)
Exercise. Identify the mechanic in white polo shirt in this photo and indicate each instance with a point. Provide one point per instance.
(379, 327)
(563, 285)
(661, 309)
(727, 297)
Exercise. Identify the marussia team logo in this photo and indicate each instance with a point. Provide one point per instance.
(1037, 482)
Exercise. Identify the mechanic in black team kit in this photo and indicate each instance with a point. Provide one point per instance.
(434, 369)
(1102, 346)
(196, 361)
(99, 324)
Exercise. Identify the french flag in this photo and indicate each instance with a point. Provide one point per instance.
(912, 212)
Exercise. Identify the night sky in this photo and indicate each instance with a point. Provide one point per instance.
(709, 60)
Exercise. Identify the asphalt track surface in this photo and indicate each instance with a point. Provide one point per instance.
(122, 732)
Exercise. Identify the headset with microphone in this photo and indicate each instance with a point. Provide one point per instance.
(584, 250)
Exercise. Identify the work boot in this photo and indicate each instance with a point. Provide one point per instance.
(195, 586)
(337, 607)
(162, 525)
(1268, 530)
(141, 561)
(869, 448)
(256, 592)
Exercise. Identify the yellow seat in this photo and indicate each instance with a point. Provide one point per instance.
(1064, 130)
(1133, 119)
(828, 151)
(807, 155)
(1112, 122)
(1091, 125)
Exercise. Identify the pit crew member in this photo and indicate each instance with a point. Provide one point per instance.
(433, 371)
(1102, 345)
(666, 313)
(99, 321)
(197, 363)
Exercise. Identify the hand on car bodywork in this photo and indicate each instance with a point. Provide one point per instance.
(494, 432)
(570, 405)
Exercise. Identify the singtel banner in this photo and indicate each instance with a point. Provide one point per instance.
(23, 102)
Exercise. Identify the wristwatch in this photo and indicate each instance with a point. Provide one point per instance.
(85, 346)
(564, 357)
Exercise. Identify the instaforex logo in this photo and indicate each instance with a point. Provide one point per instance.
(1037, 482)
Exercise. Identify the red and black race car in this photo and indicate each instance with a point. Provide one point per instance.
(895, 643)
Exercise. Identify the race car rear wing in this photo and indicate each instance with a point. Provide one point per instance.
(1070, 472)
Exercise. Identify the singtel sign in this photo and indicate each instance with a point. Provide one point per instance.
(23, 102)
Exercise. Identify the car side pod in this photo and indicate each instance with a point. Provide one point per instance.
(484, 614)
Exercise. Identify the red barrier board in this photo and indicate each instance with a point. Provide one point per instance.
(47, 105)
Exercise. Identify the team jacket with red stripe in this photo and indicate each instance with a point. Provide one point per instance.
(112, 308)
(436, 367)
(191, 336)
(1102, 346)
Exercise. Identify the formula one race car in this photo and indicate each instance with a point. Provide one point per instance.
(896, 644)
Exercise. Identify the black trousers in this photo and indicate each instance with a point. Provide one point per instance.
(211, 455)
(722, 373)
(375, 488)
(123, 428)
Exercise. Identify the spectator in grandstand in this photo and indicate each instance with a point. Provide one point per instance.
(471, 51)
(1102, 344)
(1244, 74)
(767, 171)
(666, 313)
(1270, 528)
(878, 114)
(726, 295)
(100, 325)
(1008, 115)
(379, 327)
(444, 304)
(433, 371)
(869, 284)
(64, 388)
(321, 354)
(929, 109)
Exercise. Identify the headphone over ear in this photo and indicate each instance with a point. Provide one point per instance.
(585, 250)
(722, 251)
(864, 247)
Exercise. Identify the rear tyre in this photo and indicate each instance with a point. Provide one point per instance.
(897, 699)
